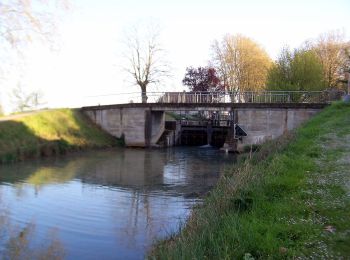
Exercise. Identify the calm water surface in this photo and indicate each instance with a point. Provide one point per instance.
(106, 204)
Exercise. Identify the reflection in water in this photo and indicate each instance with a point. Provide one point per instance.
(17, 243)
(20, 246)
(109, 204)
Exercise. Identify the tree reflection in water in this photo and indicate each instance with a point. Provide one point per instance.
(16, 243)
(105, 203)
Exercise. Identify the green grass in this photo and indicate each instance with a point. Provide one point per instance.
(49, 132)
(290, 200)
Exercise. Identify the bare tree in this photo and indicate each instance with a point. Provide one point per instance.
(332, 50)
(26, 101)
(347, 69)
(23, 20)
(145, 58)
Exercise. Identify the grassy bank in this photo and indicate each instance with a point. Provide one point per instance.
(47, 133)
(290, 200)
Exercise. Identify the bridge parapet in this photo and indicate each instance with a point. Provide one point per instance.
(234, 97)
(248, 97)
(263, 115)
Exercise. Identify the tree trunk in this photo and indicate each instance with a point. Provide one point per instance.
(143, 94)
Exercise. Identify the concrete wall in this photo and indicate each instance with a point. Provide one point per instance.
(266, 124)
(140, 126)
(158, 125)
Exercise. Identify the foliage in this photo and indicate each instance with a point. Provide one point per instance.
(288, 202)
(47, 133)
(202, 79)
(241, 63)
(333, 53)
(298, 70)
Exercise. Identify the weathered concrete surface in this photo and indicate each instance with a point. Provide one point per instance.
(265, 124)
(142, 125)
(139, 126)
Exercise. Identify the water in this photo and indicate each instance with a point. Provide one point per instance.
(106, 204)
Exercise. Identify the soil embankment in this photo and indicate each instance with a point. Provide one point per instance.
(47, 133)
(289, 200)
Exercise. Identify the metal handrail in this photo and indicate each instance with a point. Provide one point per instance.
(249, 97)
(229, 97)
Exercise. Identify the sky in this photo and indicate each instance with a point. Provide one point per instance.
(86, 66)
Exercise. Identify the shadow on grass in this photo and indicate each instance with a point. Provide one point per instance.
(50, 133)
(18, 142)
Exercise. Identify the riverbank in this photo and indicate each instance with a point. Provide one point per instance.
(290, 200)
(48, 133)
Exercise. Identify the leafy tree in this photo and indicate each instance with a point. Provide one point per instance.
(241, 63)
(202, 79)
(298, 70)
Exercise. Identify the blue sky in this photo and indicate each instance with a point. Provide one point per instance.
(89, 60)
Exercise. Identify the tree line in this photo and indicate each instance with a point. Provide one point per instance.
(238, 63)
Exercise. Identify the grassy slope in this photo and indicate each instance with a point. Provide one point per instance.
(290, 200)
(49, 132)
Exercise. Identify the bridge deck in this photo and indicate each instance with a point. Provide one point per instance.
(208, 106)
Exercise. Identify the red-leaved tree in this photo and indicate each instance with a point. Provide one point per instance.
(202, 79)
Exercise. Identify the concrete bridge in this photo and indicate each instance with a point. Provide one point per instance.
(262, 117)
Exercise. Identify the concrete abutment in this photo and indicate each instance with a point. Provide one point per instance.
(142, 125)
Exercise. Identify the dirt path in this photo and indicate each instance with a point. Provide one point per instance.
(331, 197)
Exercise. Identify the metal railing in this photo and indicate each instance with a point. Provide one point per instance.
(247, 97)
(224, 97)
(204, 122)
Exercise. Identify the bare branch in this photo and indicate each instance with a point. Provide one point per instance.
(144, 58)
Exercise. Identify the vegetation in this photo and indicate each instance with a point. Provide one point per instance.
(334, 54)
(298, 70)
(25, 101)
(320, 64)
(202, 79)
(145, 61)
(241, 63)
(290, 200)
(23, 20)
(47, 133)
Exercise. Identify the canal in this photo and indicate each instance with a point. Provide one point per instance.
(107, 204)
